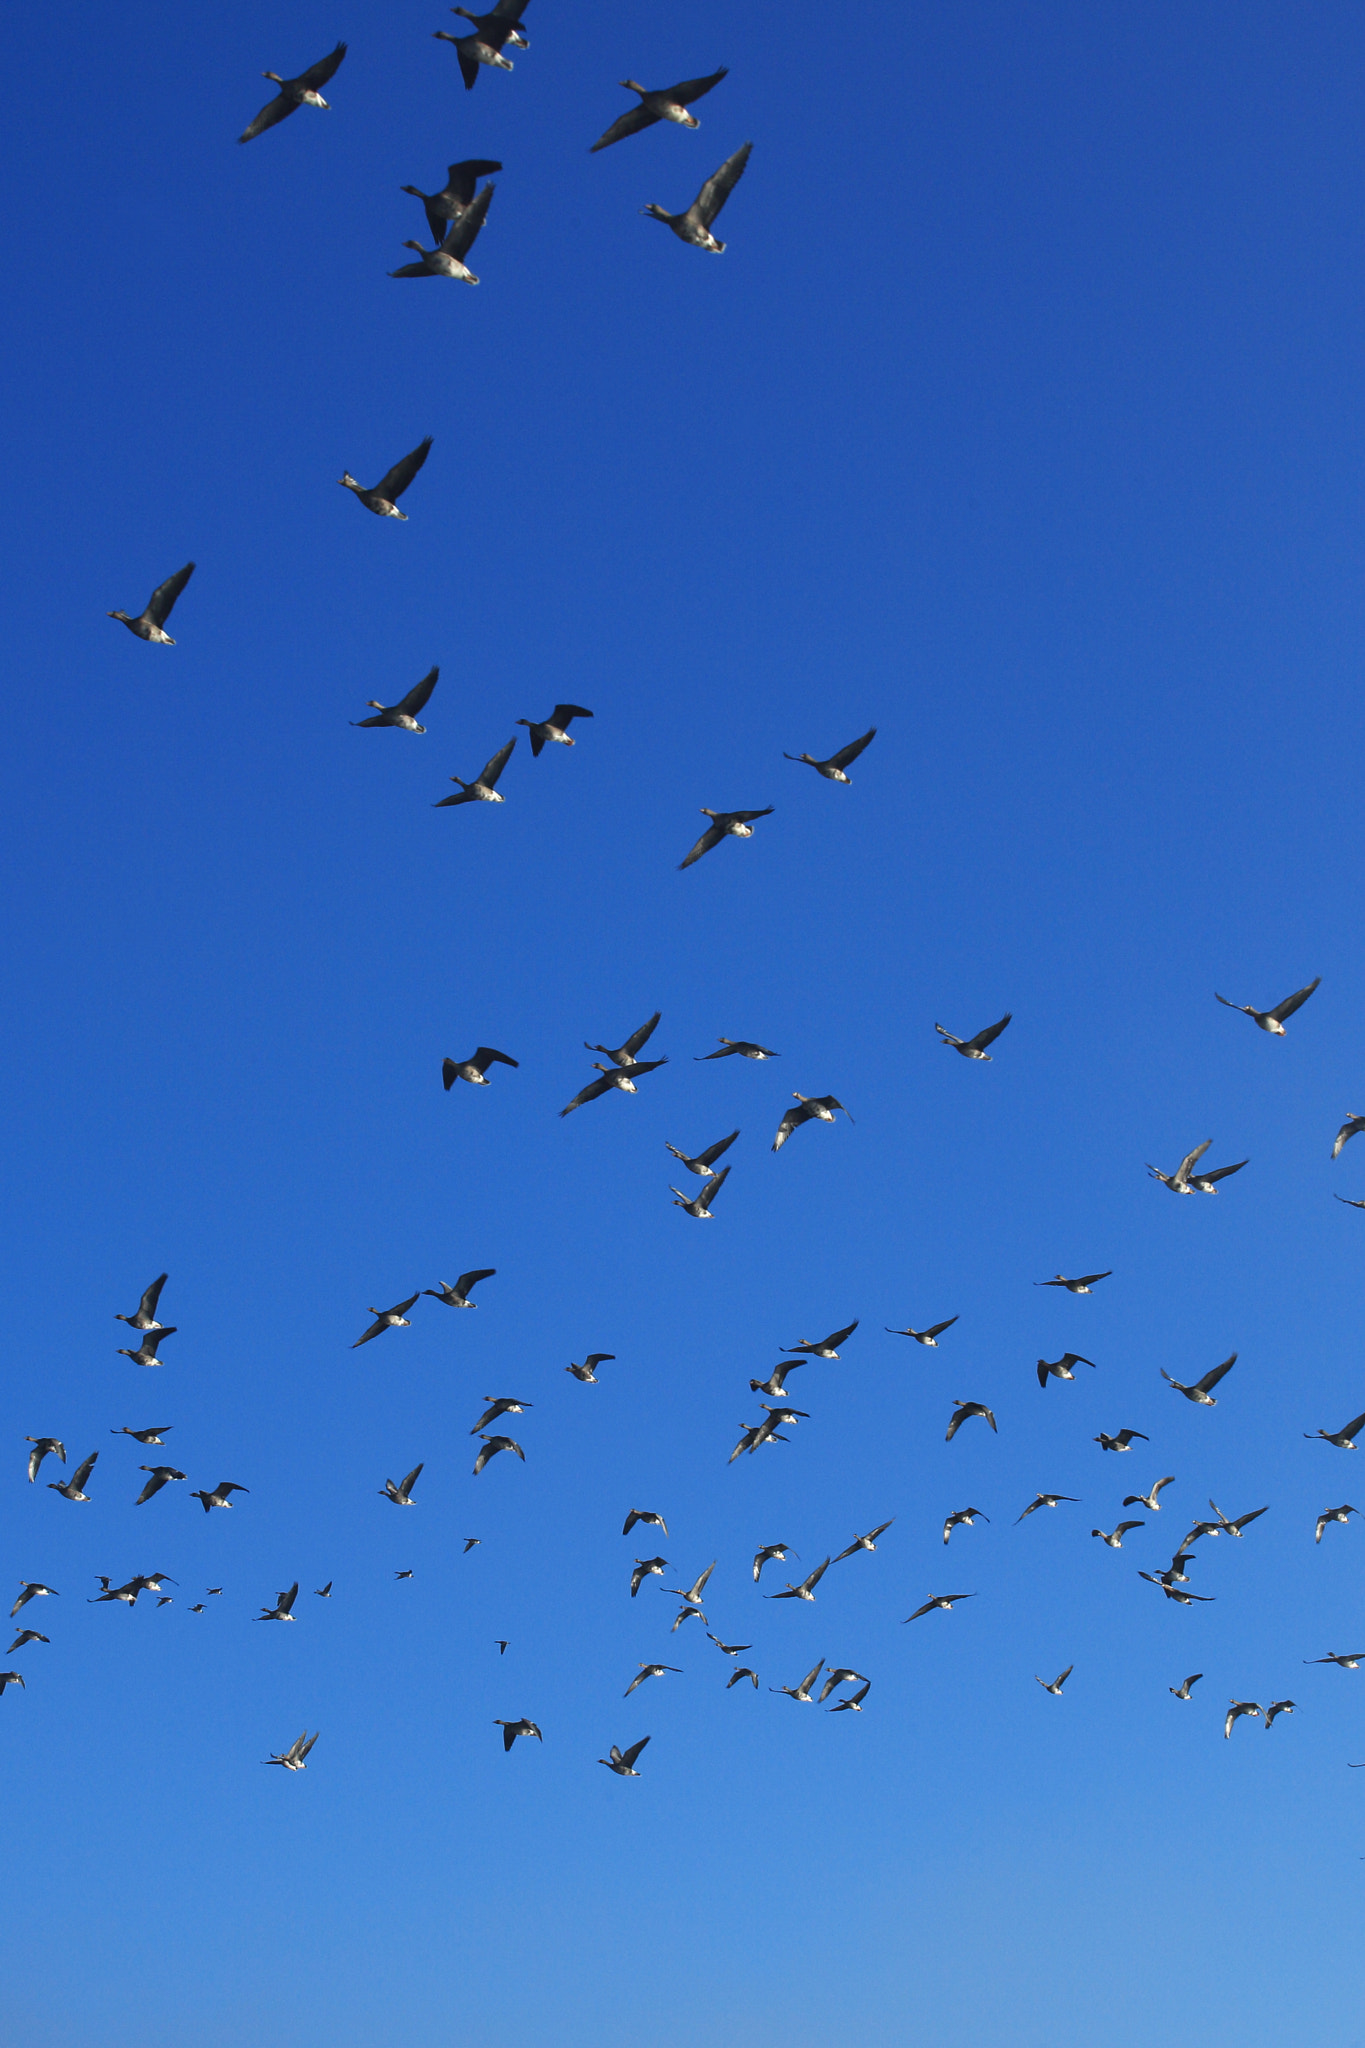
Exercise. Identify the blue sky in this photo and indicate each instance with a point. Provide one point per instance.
(1020, 419)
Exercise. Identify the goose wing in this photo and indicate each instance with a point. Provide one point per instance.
(1211, 1379)
(1222, 1172)
(158, 611)
(854, 747)
(704, 209)
(937, 1329)
(713, 1152)
(272, 112)
(1294, 1002)
(147, 1305)
(411, 1479)
(798, 1114)
(836, 1337)
(1086, 1279)
(495, 767)
(395, 481)
(317, 75)
(694, 88)
(588, 1094)
(418, 694)
(82, 1472)
(461, 178)
(468, 1280)
(1182, 1172)
(714, 1186)
(991, 1033)
(712, 836)
(628, 1756)
(561, 716)
(485, 1055)
(286, 1600)
(629, 123)
(461, 234)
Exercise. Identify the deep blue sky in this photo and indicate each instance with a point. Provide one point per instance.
(1021, 419)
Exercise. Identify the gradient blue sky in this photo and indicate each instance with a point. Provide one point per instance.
(1022, 418)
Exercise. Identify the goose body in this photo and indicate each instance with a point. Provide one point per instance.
(833, 768)
(382, 498)
(150, 624)
(724, 825)
(403, 714)
(303, 91)
(694, 227)
(475, 1071)
(554, 730)
(664, 103)
(483, 789)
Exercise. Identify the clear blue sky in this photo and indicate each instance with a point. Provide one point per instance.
(1021, 419)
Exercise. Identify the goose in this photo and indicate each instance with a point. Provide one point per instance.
(471, 1543)
(458, 1295)
(1349, 1129)
(1081, 1286)
(43, 1446)
(294, 92)
(622, 1078)
(1207, 1183)
(806, 1589)
(146, 1351)
(940, 1600)
(626, 1055)
(742, 1671)
(502, 1404)
(929, 1336)
(755, 1434)
(768, 1553)
(962, 1518)
(485, 46)
(323, 1592)
(295, 1758)
(502, 1646)
(587, 1370)
(1177, 1593)
(1122, 1440)
(283, 1610)
(150, 623)
(512, 1729)
(126, 1595)
(475, 1071)
(649, 1671)
(197, 1608)
(694, 227)
(838, 1677)
(1344, 1438)
(32, 1590)
(555, 729)
(745, 1047)
(975, 1048)
(1234, 1528)
(686, 1614)
(801, 1692)
(74, 1487)
(1340, 1514)
(483, 789)
(808, 1106)
(491, 1446)
(867, 1542)
(504, 11)
(395, 1318)
(963, 1411)
(447, 259)
(777, 1378)
(401, 1496)
(854, 1703)
(1175, 1571)
(724, 825)
(623, 1761)
(1200, 1529)
(1045, 1500)
(161, 1475)
(1200, 1391)
(825, 1347)
(1277, 1707)
(767, 1429)
(447, 206)
(219, 1496)
(1062, 1368)
(728, 1649)
(1273, 1020)
(833, 769)
(1179, 1181)
(1058, 1682)
(144, 1315)
(1235, 1713)
(664, 103)
(643, 1515)
(1182, 1691)
(693, 1596)
(1149, 1500)
(646, 1568)
(1346, 1660)
(403, 714)
(700, 1205)
(12, 1678)
(1115, 1540)
(25, 1636)
(146, 1437)
(383, 497)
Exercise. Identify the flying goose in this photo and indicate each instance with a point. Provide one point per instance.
(146, 1437)
(447, 206)
(471, 1543)
(664, 103)
(1200, 1390)
(395, 1318)
(724, 825)
(1182, 1691)
(404, 713)
(161, 1475)
(458, 1295)
(700, 1205)
(383, 497)
(854, 1703)
(483, 789)
(474, 1070)
(622, 1078)
(694, 227)
(1349, 1129)
(401, 1496)
(294, 92)
(11, 1678)
(963, 1411)
(1122, 1439)
(144, 1315)
(1277, 1707)
(975, 1048)
(728, 1649)
(150, 624)
(1115, 1541)
(742, 1671)
(74, 1487)
(806, 1589)
(504, 11)
(1232, 1528)
(704, 1161)
(777, 1378)
(623, 1761)
(1235, 1713)
(649, 1671)
(485, 46)
(402, 1575)
(556, 728)
(801, 1692)
(1341, 1514)
(283, 1610)
(1344, 1438)
(745, 1047)
(219, 1496)
(643, 1515)
(1081, 1286)
(1272, 1020)
(32, 1590)
(295, 1758)
(1207, 1183)
(646, 1568)
(491, 1446)
(1149, 1500)
(587, 1370)
(808, 1106)
(1177, 1593)
(686, 1614)
(323, 1592)
(1200, 1529)
(146, 1351)
(1058, 1682)
(833, 769)
(962, 1518)
(768, 1553)
(42, 1447)
(867, 1542)
(502, 1404)
(626, 1055)
(26, 1635)
(1185, 1181)
(1062, 1368)
(447, 259)
(837, 1677)
(929, 1336)
(825, 1347)
(693, 1597)
(766, 1430)
(1346, 1660)
(1045, 1500)
(512, 1729)
(943, 1600)
(126, 1595)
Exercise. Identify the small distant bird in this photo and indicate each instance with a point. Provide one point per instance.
(1273, 1020)
(724, 825)
(801, 1692)
(32, 1590)
(646, 1568)
(1122, 1440)
(1346, 1660)
(283, 1610)
(686, 1614)
(833, 769)
(161, 1475)
(694, 226)
(807, 1106)
(975, 1048)
(483, 790)
(31, 1635)
(1235, 1713)
(166, 1600)
(1234, 1528)
(643, 1515)
(664, 103)
(1344, 1438)
(150, 624)
(745, 1048)
(554, 730)
(854, 1703)
(623, 1761)
(729, 1649)
(395, 1318)
(1058, 1682)
(295, 1758)
(144, 1315)
(622, 1078)
(404, 713)
(302, 91)
(1201, 1390)
(1177, 1593)
(1046, 1500)
(867, 1542)
(512, 1729)
(475, 1071)
(700, 1205)
(219, 1496)
(471, 1543)
(1350, 1205)
(929, 1336)
(741, 1671)
(769, 1553)
(505, 1404)
(218, 1589)
(43, 1446)
(146, 1351)
(625, 1055)
(11, 1678)
(74, 1487)
(445, 207)
(1182, 1692)
(963, 1411)
(806, 1589)
(1349, 1129)
(960, 1518)
(1277, 1707)
(146, 1437)
(1149, 1500)
(491, 1446)
(648, 1671)
(401, 1496)
(825, 1347)
(402, 1575)
(447, 259)
(1081, 1286)
(1185, 1181)
(323, 1592)
(777, 1378)
(587, 1370)
(1340, 1514)
(458, 1295)
(383, 497)
(693, 1595)
(1062, 1368)
(838, 1677)
(198, 1608)
(502, 1646)
(943, 1600)
(1115, 1541)
(485, 46)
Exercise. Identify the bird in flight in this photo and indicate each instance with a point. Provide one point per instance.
(12, 1678)
(1122, 1440)
(447, 259)
(1149, 1500)
(626, 1054)
(963, 1411)
(745, 1047)
(1177, 1593)
(1115, 1540)
(1045, 1500)
(395, 1318)
(146, 1437)
(482, 790)
(45, 1446)
(704, 1161)
(1234, 1528)
(700, 1205)
(1277, 1707)
(383, 497)
(1340, 1514)
(323, 1592)
(1344, 1438)
(491, 1446)
(160, 1475)
(693, 1595)
(283, 1610)
(1062, 1368)
(503, 1404)
(943, 1600)
(1081, 1286)
(728, 1649)
(825, 1347)
(1058, 1682)
(401, 1496)
(150, 623)
(644, 1515)
(445, 207)
(646, 1567)
(475, 1071)
(929, 1336)
(694, 227)
(777, 1378)
(1349, 1129)
(1235, 1713)
(833, 769)
(555, 730)
(808, 1106)
(1182, 1691)
(741, 1672)
(491, 33)
(26, 1635)
(1185, 1181)
(587, 1370)
(458, 1295)
(512, 1729)
(1201, 1391)
(404, 713)
(146, 1351)
(303, 91)
(471, 1543)
(854, 1702)
(74, 1487)
(623, 1761)
(724, 825)
(769, 1553)
(836, 1677)
(801, 1692)
(219, 1496)
(1273, 1020)
(867, 1542)
(806, 1589)
(144, 1315)
(975, 1048)
(664, 103)
(295, 1758)
(649, 1671)
(1345, 1660)
(961, 1518)
(32, 1590)
(622, 1078)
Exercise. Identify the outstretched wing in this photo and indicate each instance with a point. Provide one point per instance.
(645, 1032)
(695, 88)
(461, 178)
(396, 480)
(418, 694)
(628, 1756)
(796, 1116)
(147, 1305)
(588, 1094)
(486, 1054)
(1182, 1172)
(317, 75)
(712, 836)
(704, 208)
(991, 1033)
(713, 1152)
(836, 1337)
(462, 233)
(854, 747)
(274, 110)
(82, 1472)
(714, 1186)
(411, 1479)
(158, 611)
(1292, 1003)
(1222, 1172)
(495, 767)
(468, 1280)
(629, 123)
(1086, 1279)
(1211, 1379)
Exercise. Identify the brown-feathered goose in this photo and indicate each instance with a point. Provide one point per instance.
(1046, 1500)
(833, 769)
(801, 1692)
(1341, 1514)
(499, 1404)
(625, 1055)
(621, 1078)
(1058, 1682)
(963, 1411)
(295, 1758)
(743, 1047)
(447, 259)
(404, 713)
(144, 1315)
(395, 1318)
(492, 32)
(699, 1205)
(25, 1636)
(491, 1446)
(219, 1498)
(458, 1295)
(146, 1351)
(960, 1518)
(74, 1487)
(483, 789)
(1121, 1440)
(554, 729)
(1082, 1285)
(475, 1070)
(1236, 1711)
(161, 1475)
(929, 1336)
(157, 1434)
(1201, 1392)
(383, 497)
(724, 825)
(1343, 1438)
(808, 1106)
(643, 1515)
(622, 1761)
(587, 1371)
(283, 1610)
(825, 1347)
(1273, 1020)
(512, 1729)
(43, 1447)
(32, 1590)
(694, 226)
(1061, 1368)
(942, 1601)
(665, 103)
(704, 1161)
(649, 1671)
(444, 207)
(975, 1048)
(401, 1494)
(294, 92)
(150, 624)
(12, 1678)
